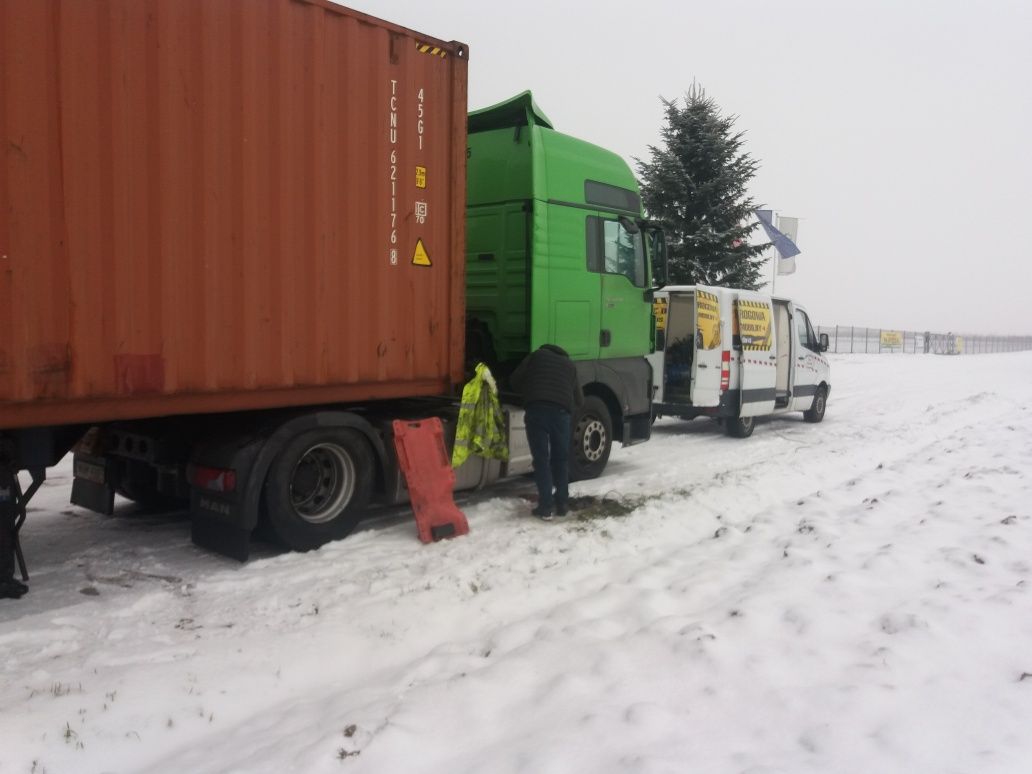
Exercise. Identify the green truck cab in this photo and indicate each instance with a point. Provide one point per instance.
(558, 251)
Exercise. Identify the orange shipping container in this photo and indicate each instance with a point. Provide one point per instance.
(216, 205)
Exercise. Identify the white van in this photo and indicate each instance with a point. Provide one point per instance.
(736, 355)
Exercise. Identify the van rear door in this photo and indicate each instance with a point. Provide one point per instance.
(754, 315)
(708, 346)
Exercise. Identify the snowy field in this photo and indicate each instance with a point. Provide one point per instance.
(852, 596)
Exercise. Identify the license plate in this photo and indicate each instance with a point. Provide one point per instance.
(90, 471)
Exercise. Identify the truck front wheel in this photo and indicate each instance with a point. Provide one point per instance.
(592, 439)
(317, 487)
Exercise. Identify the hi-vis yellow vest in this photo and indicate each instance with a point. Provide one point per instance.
(481, 427)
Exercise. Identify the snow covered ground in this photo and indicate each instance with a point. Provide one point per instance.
(846, 597)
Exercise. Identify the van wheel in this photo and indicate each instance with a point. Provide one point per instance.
(820, 403)
(592, 440)
(739, 427)
(317, 487)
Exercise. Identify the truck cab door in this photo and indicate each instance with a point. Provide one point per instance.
(706, 363)
(754, 315)
(625, 324)
(805, 364)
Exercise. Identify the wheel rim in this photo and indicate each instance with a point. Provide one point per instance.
(322, 483)
(747, 422)
(819, 408)
(593, 440)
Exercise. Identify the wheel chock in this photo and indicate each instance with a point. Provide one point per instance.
(426, 465)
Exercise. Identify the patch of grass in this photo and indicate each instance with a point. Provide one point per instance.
(60, 689)
(609, 505)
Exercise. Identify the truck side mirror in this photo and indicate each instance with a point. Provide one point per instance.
(629, 225)
(824, 342)
(658, 254)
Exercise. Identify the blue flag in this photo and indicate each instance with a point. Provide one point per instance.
(786, 247)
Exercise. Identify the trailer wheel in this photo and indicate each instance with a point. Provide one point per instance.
(739, 427)
(592, 439)
(820, 402)
(317, 487)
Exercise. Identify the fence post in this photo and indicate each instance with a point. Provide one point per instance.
(836, 339)
(851, 339)
(867, 340)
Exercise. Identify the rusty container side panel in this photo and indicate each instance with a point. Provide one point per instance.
(215, 205)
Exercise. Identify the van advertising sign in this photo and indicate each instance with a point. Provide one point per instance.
(754, 324)
(892, 339)
(659, 310)
(707, 320)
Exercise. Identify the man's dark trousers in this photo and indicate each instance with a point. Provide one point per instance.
(548, 434)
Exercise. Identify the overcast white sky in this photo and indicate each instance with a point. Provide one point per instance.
(899, 132)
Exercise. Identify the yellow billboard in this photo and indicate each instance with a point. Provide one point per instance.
(892, 338)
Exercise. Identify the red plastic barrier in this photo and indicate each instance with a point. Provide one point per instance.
(424, 460)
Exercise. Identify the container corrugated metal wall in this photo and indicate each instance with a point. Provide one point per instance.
(216, 205)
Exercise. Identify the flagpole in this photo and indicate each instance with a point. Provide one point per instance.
(774, 267)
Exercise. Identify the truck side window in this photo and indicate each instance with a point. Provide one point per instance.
(624, 252)
(612, 249)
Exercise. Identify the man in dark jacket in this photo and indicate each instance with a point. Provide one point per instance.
(547, 380)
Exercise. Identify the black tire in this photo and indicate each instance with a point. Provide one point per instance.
(820, 403)
(592, 439)
(317, 487)
(138, 481)
(739, 427)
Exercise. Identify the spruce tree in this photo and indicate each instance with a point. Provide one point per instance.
(695, 184)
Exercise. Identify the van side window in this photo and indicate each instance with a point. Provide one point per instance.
(805, 330)
(815, 343)
(612, 249)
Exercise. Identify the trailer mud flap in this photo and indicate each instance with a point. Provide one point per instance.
(215, 525)
(224, 539)
(91, 485)
(426, 464)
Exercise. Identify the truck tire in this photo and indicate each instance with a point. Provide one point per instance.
(739, 427)
(592, 439)
(318, 486)
(820, 402)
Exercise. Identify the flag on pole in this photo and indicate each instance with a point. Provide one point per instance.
(786, 248)
(790, 228)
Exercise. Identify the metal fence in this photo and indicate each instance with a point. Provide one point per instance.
(853, 339)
